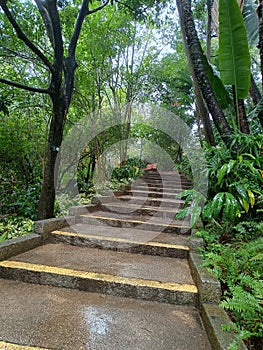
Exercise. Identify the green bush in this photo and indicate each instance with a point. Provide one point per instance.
(239, 267)
(11, 227)
(128, 172)
(232, 230)
(17, 199)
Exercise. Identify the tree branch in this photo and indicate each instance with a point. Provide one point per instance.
(24, 87)
(46, 19)
(83, 12)
(51, 6)
(23, 37)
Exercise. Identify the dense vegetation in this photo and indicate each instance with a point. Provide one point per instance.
(64, 61)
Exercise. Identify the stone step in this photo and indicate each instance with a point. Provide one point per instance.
(165, 183)
(147, 193)
(154, 188)
(140, 210)
(145, 222)
(174, 175)
(152, 278)
(38, 316)
(123, 239)
(144, 201)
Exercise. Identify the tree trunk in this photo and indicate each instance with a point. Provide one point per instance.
(260, 31)
(240, 111)
(196, 54)
(256, 97)
(204, 115)
(202, 111)
(209, 4)
(243, 122)
(61, 94)
(47, 196)
(254, 91)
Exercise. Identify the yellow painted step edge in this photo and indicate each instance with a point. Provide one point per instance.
(99, 276)
(10, 346)
(122, 240)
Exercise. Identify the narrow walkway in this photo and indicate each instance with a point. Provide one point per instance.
(117, 279)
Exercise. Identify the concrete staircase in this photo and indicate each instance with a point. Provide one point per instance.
(114, 275)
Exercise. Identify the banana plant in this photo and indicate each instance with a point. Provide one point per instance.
(234, 58)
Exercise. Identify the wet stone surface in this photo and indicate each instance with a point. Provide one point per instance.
(57, 318)
(115, 263)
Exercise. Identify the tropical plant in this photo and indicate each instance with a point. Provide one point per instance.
(239, 268)
(131, 170)
(12, 227)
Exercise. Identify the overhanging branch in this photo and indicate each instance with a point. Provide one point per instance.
(24, 87)
(23, 37)
(83, 12)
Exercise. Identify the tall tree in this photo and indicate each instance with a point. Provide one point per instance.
(197, 59)
(58, 58)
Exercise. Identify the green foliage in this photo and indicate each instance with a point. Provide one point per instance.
(251, 21)
(235, 181)
(65, 201)
(15, 226)
(234, 59)
(193, 206)
(218, 87)
(239, 266)
(128, 172)
(19, 200)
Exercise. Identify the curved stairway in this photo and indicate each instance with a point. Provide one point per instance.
(117, 278)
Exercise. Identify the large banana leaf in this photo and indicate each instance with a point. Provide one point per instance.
(234, 59)
(251, 21)
(220, 90)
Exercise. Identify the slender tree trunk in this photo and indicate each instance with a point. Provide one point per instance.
(204, 115)
(61, 94)
(243, 122)
(196, 54)
(256, 97)
(209, 4)
(200, 105)
(254, 91)
(47, 196)
(240, 111)
(260, 30)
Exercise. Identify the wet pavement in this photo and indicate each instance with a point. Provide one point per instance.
(62, 319)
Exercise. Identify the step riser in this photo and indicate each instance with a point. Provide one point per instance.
(176, 204)
(153, 202)
(139, 226)
(129, 247)
(165, 183)
(154, 189)
(100, 286)
(150, 194)
(139, 211)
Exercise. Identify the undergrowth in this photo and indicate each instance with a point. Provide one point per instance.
(238, 264)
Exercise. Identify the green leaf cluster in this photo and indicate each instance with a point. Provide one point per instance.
(13, 226)
(130, 171)
(234, 59)
(239, 266)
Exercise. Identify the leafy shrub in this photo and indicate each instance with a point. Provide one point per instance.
(128, 172)
(19, 200)
(239, 266)
(232, 219)
(11, 227)
(65, 201)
